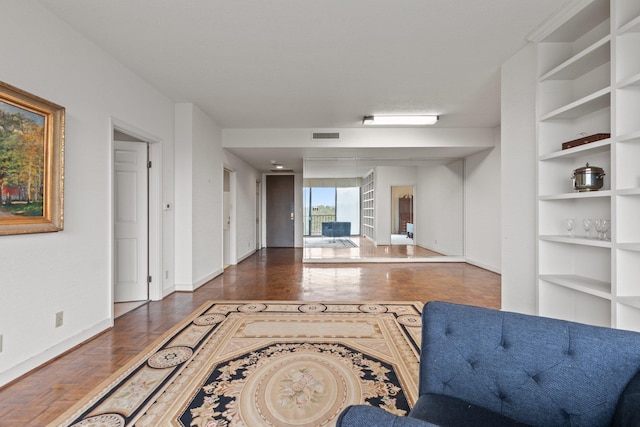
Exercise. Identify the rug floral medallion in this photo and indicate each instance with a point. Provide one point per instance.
(246, 364)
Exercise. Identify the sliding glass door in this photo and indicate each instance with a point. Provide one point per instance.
(331, 204)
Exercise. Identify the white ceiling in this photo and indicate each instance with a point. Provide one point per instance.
(316, 63)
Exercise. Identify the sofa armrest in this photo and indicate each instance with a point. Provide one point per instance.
(371, 416)
(628, 409)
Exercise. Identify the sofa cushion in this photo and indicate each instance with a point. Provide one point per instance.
(542, 371)
(368, 416)
(447, 411)
(628, 409)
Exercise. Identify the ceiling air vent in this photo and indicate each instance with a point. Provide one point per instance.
(326, 135)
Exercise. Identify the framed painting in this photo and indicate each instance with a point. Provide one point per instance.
(31, 163)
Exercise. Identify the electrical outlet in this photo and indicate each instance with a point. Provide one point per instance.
(59, 319)
(166, 274)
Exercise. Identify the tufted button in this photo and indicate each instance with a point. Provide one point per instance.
(536, 378)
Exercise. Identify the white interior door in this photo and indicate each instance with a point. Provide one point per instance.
(131, 221)
(226, 217)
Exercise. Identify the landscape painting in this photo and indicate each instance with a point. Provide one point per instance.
(31, 162)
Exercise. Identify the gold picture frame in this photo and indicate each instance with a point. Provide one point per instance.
(31, 163)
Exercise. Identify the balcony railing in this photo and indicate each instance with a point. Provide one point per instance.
(315, 223)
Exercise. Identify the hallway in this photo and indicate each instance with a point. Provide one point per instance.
(273, 274)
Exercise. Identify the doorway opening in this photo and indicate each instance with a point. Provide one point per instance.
(402, 215)
(258, 215)
(131, 222)
(280, 209)
(226, 217)
(135, 166)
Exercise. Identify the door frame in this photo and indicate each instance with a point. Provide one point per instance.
(155, 290)
(258, 215)
(232, 243)
(413, 209)
(296, 208)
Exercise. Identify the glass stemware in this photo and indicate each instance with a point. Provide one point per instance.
(605, 227)
(569, 223)
(602, 226)
(587, 223)
(597, 224)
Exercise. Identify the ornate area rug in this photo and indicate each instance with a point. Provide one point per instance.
(236, 364)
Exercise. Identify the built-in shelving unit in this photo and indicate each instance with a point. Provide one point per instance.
(589, 82)
(368, 206)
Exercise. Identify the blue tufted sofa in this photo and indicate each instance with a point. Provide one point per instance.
(482, 367)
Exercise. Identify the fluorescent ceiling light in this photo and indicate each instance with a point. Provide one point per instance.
(400, 120)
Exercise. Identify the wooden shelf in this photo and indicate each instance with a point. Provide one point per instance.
(630, 81)
(584, 45)
(635, 247)
(632, 26)
(583, 241)
(581, 107)
(577, 195)
(628, 192)
(587, 285)
(629, 137)
(601, 146)
(630, 301)
(592, 57)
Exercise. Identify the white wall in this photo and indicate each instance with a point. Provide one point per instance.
(183, 207)
(70, 271)
(439, 208)
(208, 187)
(245, 203)
(482, 208)
(518, 137)
(360, 138)
(199, 186)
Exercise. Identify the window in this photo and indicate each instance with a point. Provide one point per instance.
(330, 204)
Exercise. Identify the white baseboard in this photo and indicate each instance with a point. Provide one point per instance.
(190, 287)
(168, 291)
(53, 352)
(184, 287)
(245, 256)
(483, 265)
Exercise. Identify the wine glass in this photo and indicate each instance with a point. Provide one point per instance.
(569, 223)
(604, 226)
(587, 223)
(597, 224)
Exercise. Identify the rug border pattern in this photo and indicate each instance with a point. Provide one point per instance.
(89, 405)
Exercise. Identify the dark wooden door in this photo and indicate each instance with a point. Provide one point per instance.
(280, 211)
(405, 207)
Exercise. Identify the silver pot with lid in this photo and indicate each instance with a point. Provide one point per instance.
(588, 178)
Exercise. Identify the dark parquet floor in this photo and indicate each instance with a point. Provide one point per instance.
(271, 274)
